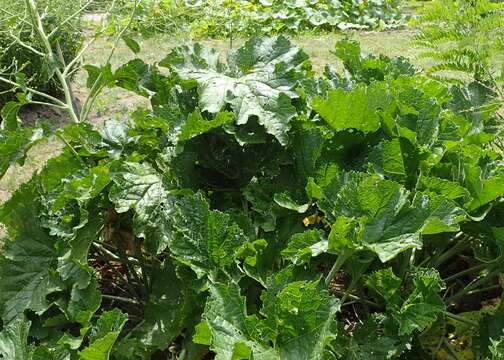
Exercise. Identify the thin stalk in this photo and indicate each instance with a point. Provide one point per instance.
(337, 266)
(97, 87)
(37, 22)
(67, 79)
(470, 287)
(137, 326)
(488, 288)
(25, 45)
(132, 271)
(183, 354)
(111, 256)
(460, 319)
(425, 261)
(406, 259)
(70, 18)
(450, 349)
(56, 101)
(130, 289)
(446, 246)
(359, 299)
(42, 103)
(14, 15)
(464, 272)
(69, 67)
(364, 303)
(120, 299)
(143, 267)
(67, 144)
(132, 259)
(452, 251)
(353, 283)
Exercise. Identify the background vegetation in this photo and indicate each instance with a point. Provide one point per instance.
(336, 203)
(16, 33)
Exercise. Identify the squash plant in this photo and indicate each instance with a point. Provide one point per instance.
(259, 211)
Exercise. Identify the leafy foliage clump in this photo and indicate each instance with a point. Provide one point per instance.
(228, 19)
(266, 17)
(22, 63)
(258, 211)
(151, 17)
(462, 37)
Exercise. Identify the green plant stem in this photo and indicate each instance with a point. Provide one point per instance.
(57, 103)
(70, 18)
(132, 271)
(137, 326)
(69, 146)
(405, 261)
(337, 266)
(358, 299)
(450, 349)
(488, 288)
(111, 256)
(129, 286)
(461, 319)
(143, 267)
(425, 261)
(120, 299)
(103, 250)
(452, 251)
(364, 303)
(97, 86)
(39, 27)
(353, 283)
(464, 272)
(61, 58)
(183, 354)
(110, 250)
(442, 252)
(470, 287)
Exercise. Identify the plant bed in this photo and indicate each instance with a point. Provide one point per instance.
(258, 211)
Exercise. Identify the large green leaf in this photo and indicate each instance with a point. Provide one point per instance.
(420, 308)
(388, 159)
(258, 81)
(81, 186)
(305, 245)
(140, 187)
(369, 213)
(167, 311)
(299, 320)
(229, 326)
(104, 335)
(370, 68)
(424, 304)
(26, 277)
(14, 340)
(9, 115)
(415, 112)
(304, 317)
(308, 147)
(196, 125)
(485, 186)
(368, 341)
(357, 109)
(14, 145)
(206, 240)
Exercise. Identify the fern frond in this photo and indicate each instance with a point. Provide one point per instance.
(461, 36)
